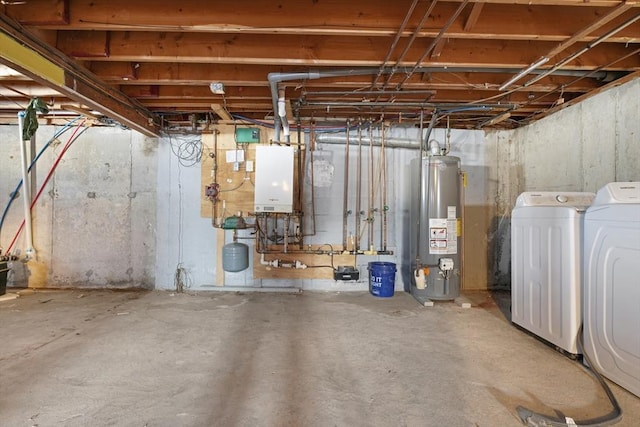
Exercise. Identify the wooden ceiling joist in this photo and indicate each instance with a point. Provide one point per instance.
(49, 67)
(138, 60)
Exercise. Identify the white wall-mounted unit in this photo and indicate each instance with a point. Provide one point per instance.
(546, 245)
(612, 284)
(273, 179)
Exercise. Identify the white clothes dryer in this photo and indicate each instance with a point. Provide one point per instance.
(612, 284)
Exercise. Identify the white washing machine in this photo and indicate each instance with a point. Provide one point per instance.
(546, 267)
(612, 284)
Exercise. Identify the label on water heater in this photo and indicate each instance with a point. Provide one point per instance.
(443, 236)
(451, 212)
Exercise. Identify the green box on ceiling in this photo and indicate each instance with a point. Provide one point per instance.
(247, 135)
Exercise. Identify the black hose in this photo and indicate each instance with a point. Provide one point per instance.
(534, 419)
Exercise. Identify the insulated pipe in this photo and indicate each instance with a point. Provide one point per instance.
(29, 251)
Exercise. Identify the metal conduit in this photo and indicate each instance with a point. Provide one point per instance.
(434, 42)
(589, 46)
(423, 105)
(276, 78)
(410, 42)
(395, 41)
(389, 143)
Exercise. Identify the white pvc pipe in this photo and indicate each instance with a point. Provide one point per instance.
(29, 251)
(282, 113)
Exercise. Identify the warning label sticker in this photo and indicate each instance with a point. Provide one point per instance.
(443, 235)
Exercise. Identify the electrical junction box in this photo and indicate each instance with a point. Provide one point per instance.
(273, 179)
(247, 135)
(346, 272)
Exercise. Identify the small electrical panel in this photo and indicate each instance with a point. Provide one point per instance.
(247, 135)
(346, 272)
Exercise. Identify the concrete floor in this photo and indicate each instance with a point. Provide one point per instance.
(101, 358)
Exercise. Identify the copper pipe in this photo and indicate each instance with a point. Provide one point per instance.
(345, 191)
(358, 189)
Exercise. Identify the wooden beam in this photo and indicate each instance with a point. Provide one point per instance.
(29, 62)
(82, 111)
(437, 49)
(589, 29)
(310, 51)
(187, 92)
(85, 44)
(194, 79)
(363, 18)
(28, 55)
(472, 19)
(42, 12)
(221, 112)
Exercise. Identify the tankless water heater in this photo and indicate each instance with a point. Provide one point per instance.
(273, 179)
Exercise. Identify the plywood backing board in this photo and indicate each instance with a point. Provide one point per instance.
(237, 192)
(236, 186)
(310, 259)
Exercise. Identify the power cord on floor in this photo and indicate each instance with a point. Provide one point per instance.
(534, 419)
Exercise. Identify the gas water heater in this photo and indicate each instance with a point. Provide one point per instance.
(436, 227)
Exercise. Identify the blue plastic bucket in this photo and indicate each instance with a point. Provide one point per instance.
(382, 279)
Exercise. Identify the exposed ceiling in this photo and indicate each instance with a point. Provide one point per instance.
(149, 64)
